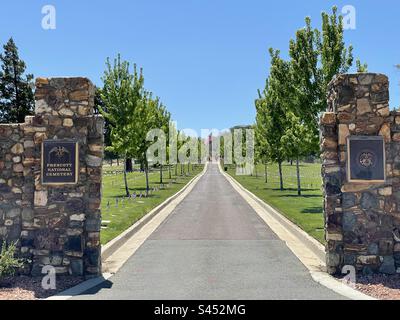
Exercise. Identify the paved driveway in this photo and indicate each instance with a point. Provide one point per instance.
(213, 246)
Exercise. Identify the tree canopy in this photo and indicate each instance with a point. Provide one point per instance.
(16, 87)
(288, 109)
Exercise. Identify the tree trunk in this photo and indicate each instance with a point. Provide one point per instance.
(161, 174)
(280, 175)
(117, 161)
(146, 169)
(298, 177)
(266, 172)
(176, 169)
(169, 171)
(126, 181)
(255, 170)
(128, 165)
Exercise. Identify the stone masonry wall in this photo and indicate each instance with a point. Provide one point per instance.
(54, 225)
(362, 219)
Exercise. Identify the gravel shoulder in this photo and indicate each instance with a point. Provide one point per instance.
(27, 288)
(379, 286)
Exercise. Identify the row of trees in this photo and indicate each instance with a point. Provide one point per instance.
(130, 113)
(295, 93)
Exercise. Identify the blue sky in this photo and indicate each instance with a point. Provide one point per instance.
(204, 58)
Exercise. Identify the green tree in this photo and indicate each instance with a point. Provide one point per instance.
(171, 136)
(181, 140)
(277, 95)
(200, 149)
(150, 114)
(172, 148)
(226, 147)
(335, 56)
(162, 120)
(361, 67)
(16, 94)
(316, 57)
(296, 92)
(121, 94)
(297, 141)
(262, 147)
(241, 155)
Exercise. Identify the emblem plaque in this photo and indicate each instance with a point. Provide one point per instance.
(365, 159)
(60, 162)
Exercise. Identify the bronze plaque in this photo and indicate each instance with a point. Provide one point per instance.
(60, 162)
(366, 159)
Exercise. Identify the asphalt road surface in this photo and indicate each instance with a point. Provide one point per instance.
(212, 246)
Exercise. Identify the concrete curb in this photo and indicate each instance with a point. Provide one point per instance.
(119, 241)
(80, 288)
(308, 250)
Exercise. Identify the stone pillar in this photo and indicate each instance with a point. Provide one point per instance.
(12, 187)
(361, 219)
(56, 225)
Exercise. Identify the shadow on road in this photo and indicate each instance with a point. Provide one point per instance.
(107, 284)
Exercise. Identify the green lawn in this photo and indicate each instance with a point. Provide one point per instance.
(306, 211)
(128, 211)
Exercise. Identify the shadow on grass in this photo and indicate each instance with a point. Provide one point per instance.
(312, 210)
(138, 190)
(303, 196)
(119, 197)
(294, 189)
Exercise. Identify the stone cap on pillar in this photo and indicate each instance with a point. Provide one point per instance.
(350, 90)
(64, 97)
